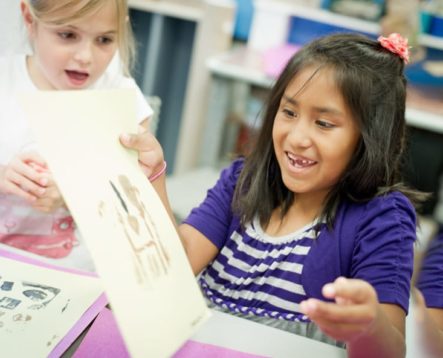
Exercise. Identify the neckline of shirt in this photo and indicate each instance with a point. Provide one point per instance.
(296, 235)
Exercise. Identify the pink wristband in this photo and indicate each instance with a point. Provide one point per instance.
(159, 173)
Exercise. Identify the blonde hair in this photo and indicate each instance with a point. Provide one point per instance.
(60, 12)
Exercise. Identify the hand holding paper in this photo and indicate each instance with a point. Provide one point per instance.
(150, 153)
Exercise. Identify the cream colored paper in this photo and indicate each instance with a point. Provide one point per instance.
(38, 306)
(135, 247)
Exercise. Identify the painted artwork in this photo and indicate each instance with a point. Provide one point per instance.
(132, 240)
(150, 257)
(38, 306)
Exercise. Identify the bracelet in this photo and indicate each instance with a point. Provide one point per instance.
(159, 173)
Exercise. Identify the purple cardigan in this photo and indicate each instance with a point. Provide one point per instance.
(372, 241)
(430, 279)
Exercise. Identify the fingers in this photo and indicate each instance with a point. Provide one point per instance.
(354, 302)
(21, 179)
(344, 332)
(140, 141)
(345, 291)
(332, 312)
(50, 201)
(343, 323)
(35, 160)
(144, 141)
(150, 153)
(353, 313)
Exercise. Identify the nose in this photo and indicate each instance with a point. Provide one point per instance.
(83, 53)
(300, 134)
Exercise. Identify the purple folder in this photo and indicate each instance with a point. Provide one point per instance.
(104, 340)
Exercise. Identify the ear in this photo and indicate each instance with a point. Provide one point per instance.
(28, 19)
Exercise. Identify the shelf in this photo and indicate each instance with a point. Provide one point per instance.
(431, 41)
(344, 21)
(320, 15)
(243, 64)
(424, 120)
(187, 11)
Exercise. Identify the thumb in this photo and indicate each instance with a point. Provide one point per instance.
(129, 140)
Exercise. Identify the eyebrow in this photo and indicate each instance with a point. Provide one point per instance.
(333, 111)
(109, 32)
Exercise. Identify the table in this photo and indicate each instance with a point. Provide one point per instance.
(237, 333)
(240, 334)
(225, 330)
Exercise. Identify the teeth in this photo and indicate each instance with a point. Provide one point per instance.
(300, 162)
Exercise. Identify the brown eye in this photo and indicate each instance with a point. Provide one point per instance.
(104, 40)
(289, 113)
(66, 35)
(324, 124)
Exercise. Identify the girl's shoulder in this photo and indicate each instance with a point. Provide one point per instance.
(229, 175)
(392, 207)
(235, 167)
(394, 200)
(13, 72)
(113, 79)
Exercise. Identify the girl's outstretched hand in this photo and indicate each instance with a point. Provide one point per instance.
(352, 315)
(150, 153)
(25, 176)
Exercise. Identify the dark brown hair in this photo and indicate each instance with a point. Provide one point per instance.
(373, 86)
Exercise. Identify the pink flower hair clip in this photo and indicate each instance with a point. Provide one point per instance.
(396, 44)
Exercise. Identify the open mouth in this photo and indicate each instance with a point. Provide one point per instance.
(77, 77)
(300, 162)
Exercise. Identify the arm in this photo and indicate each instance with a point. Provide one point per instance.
(199, 249)
(370, 329)
(437, 315)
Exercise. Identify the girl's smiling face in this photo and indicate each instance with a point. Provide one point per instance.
(314, 134)
(72, 56)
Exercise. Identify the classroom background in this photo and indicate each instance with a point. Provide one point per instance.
(211, 64)
(206, 67)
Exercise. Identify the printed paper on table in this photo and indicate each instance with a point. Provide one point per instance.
(39, 306)
(135, 247)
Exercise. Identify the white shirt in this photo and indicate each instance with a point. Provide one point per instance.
(15, 133)
(22, 226)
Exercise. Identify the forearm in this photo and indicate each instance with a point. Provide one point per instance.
(384, 340)
(159, 186)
